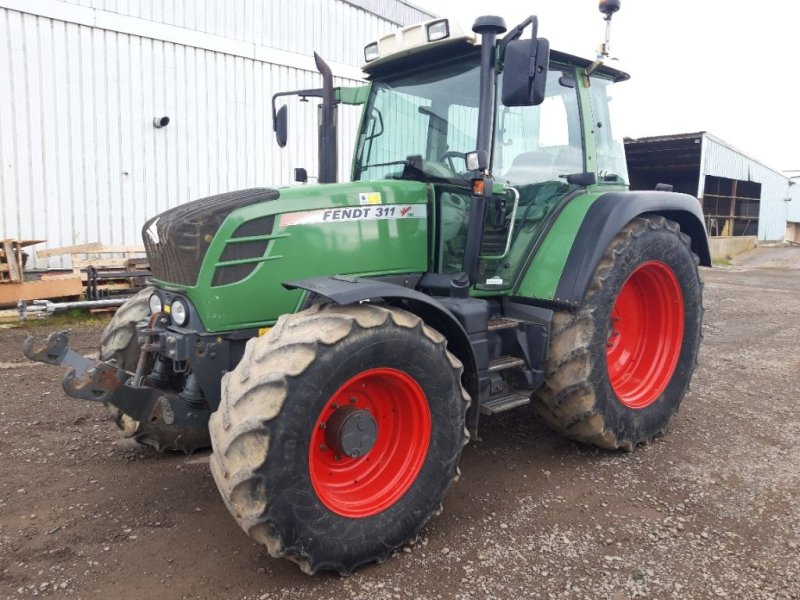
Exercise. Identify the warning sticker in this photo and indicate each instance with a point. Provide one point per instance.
(355, 213)
(365, 198)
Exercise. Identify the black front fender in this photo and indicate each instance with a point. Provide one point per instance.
(350, 290)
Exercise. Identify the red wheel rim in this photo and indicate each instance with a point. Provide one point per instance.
(646, 334)
(367, 485)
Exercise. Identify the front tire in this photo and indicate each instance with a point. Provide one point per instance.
(120, 343)
(386, 382)
(619, 367)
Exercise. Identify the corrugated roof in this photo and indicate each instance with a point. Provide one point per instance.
(678, 137)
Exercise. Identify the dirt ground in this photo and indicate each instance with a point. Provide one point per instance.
(710, 510)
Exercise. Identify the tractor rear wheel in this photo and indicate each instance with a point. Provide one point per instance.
(339, 433)
(619, 367)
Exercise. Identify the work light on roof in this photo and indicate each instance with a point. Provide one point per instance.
(371, 51)
(438, 30)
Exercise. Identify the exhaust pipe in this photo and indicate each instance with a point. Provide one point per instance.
(328, 151)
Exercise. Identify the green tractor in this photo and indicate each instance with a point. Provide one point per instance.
(337, 344)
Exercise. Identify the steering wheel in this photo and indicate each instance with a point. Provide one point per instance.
(449, 156)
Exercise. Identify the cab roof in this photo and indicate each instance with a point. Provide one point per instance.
(466, 46)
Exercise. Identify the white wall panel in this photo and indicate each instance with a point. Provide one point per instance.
(793, 208)
(80, 160)
(296, 25)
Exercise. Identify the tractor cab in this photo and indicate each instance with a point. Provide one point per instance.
(468, 118)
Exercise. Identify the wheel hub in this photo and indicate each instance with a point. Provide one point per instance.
(645, 334)
(357, 469)
(351, 432)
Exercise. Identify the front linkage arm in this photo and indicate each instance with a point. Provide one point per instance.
(164, 420)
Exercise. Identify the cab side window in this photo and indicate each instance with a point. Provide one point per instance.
(611, 165)
(536, 144)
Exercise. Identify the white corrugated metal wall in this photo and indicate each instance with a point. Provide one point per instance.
(793, 208)
(83, 79)
(720, 160)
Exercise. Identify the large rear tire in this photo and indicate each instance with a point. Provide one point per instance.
(619, 367)
(339, 433)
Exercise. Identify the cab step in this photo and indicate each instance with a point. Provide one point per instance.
(502, 363)
(494, 406)
(499, 323)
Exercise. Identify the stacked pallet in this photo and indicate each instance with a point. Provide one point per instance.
(12, 259)
(105, 270)
(98, 272)
(15, 287)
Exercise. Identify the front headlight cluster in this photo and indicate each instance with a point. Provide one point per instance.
(178, 309)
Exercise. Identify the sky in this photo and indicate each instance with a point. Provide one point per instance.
(729, 67)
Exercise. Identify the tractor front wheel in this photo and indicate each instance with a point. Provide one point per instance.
(339, 433)
(120, 343)
(619, 367)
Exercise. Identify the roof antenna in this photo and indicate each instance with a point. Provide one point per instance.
(608, 8)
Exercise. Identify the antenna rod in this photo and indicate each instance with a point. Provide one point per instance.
(608, 8)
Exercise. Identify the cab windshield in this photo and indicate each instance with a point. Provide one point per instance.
(420, 125)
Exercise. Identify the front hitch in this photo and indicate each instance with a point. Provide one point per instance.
(55, 350)
(164, 419)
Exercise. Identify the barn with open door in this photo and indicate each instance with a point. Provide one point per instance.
(741, 196)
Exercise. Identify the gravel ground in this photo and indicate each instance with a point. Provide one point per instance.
(710, 510)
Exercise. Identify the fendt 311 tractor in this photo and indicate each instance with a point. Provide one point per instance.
(336, 344)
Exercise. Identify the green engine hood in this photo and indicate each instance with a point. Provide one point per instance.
(361, 229)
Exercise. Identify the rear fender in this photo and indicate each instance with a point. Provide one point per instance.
(603, 220)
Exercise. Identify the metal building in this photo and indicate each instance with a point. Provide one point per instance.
(793, 208)
(83, 81)
(741, 196)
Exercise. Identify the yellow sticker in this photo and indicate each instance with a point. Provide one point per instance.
(167, 308)
(369, 198)
(263, 331)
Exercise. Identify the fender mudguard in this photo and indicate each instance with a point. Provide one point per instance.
(610, 213)
(350, 290)
(604, 218)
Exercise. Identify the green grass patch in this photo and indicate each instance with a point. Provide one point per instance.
(66, 319)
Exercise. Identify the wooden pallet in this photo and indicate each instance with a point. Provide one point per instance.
(12, 263)
(63, 286)
(100, 257)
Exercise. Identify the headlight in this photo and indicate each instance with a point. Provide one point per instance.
(156, 306)
(438, 31)
(180, 313)
(371, 52)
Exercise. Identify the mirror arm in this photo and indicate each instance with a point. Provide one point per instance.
(516, 32)
(314, 93)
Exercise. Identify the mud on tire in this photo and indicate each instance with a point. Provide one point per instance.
(263, 434)
(579, 397)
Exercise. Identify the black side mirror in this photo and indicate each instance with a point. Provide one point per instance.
(582, 179)
(525, 72)
(281, 126)
(300, 175)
